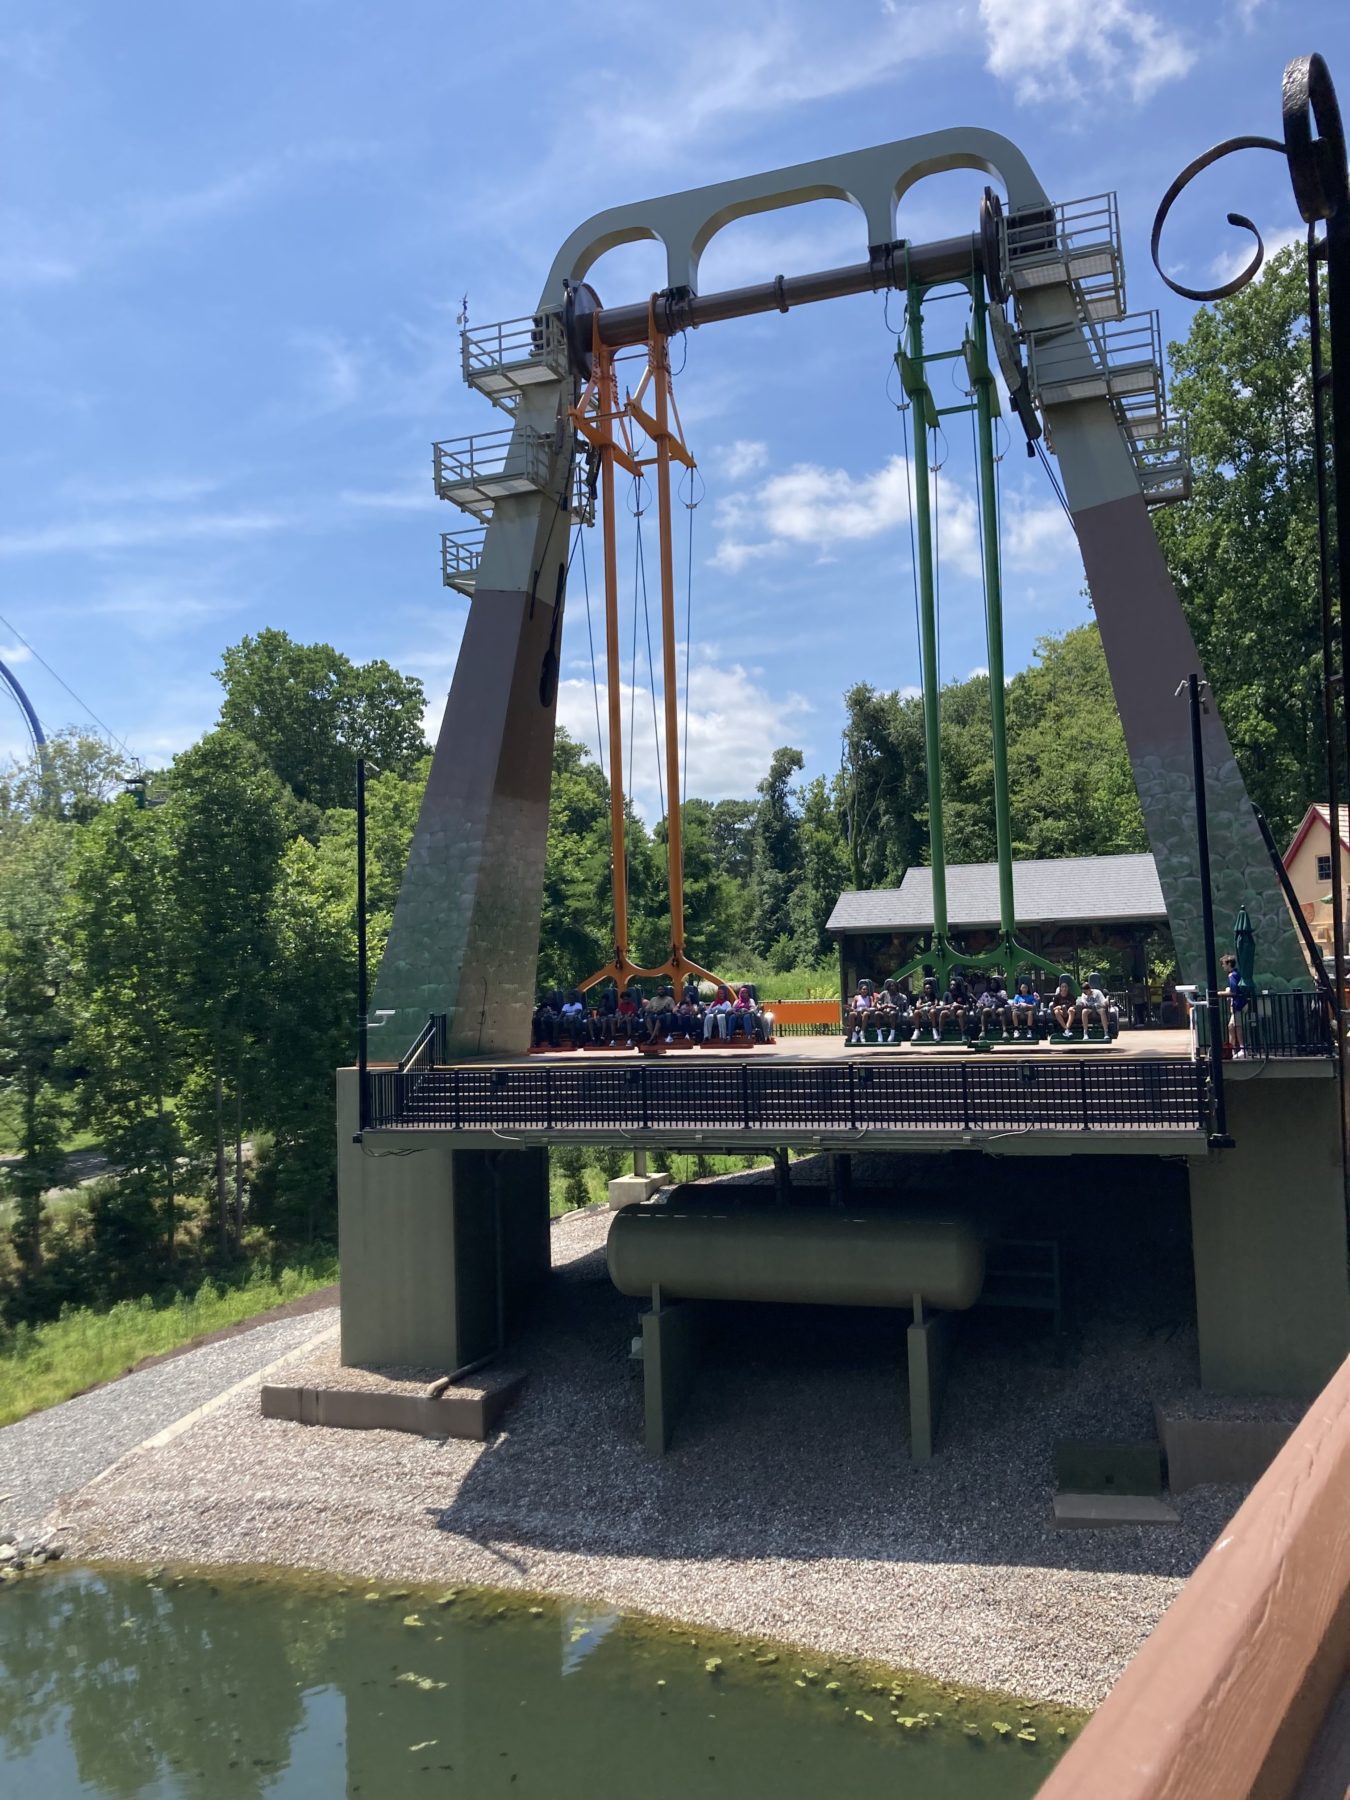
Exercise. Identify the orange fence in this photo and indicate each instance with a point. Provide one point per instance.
(803, 1015)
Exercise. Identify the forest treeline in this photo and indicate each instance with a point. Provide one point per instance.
(178, 950)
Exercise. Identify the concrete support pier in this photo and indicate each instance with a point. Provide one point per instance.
(439, 1249)
(929, 1345)
(1269, 1233)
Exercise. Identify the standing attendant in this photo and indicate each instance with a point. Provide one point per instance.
(1237, 1002)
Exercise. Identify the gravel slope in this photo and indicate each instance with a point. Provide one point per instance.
(787, 1507)
(51, 1454)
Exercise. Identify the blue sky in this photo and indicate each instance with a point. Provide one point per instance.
(233, 242)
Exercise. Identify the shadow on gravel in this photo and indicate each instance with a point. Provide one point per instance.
(794, 1442)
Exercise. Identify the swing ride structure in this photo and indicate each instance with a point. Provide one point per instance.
(443, 1157)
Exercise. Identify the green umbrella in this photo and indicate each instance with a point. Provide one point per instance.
(1244, 948)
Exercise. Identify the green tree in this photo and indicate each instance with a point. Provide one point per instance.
(576, 923)
(777, 851)
(71, 778)
(825, 871)
(121, 930)
(34, 1022)
(1243, 549)
(1071, 788)
(311, 1000)
(311, 711)
(228, 819)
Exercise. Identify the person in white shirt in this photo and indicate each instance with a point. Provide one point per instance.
(1093, 1000)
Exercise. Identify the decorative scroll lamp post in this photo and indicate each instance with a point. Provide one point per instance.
(1314, 149)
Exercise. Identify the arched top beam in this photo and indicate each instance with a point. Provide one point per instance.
(872, 180)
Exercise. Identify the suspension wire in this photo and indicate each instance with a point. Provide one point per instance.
(934, 471)
(111, 736)
(651, 669)
(632, 682)
(1054, 480)
(979, 519)
(913, 542)
(590, 634)
(690, 505)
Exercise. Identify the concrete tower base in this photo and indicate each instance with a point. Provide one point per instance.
(439, 1248)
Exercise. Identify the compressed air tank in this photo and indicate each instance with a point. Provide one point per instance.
(798, 1256)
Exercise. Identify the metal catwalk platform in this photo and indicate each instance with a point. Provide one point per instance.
(890, 1096)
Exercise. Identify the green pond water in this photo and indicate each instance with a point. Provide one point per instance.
(115, 1684)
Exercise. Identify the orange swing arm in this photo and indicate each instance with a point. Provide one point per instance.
(605, 424)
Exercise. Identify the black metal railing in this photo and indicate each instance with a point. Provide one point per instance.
(985, 1097)
(1274, 1025)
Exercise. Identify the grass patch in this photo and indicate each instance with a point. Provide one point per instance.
(41, 1365)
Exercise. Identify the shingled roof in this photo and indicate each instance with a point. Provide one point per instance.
(1090, 890)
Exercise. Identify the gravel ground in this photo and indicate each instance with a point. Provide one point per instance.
(788, 1505)
(53, 1453)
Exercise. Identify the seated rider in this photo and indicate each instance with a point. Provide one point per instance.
(884, 1013)
(954, 1004)
(547, 1021)
(860, 1012)
(629, 1012)
(687, 1017)
(605, 1023)
(926, 1005)
(717, 1013)
(745, 1013)
(573, 1020)
(991, 1013)
(1092, 1003)
(660, 1014)
(1023, 1007)
(1061, 1007)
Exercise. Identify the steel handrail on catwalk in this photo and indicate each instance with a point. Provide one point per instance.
(854, 1097)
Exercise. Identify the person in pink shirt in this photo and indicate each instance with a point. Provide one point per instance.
(745, 1014)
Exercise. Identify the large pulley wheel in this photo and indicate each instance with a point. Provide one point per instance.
(580, 303)
(991, 244)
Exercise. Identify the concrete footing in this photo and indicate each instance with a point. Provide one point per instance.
(470, 1411)
(1084, 1511)
(632, 1190)
(1219, 1450)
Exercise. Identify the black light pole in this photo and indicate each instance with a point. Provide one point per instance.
(362, 1051)
(1220, 1138)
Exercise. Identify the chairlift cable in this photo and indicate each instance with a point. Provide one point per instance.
(120, 743)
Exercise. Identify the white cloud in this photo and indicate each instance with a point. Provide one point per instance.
(1053, 49)
(979, 669)
(734, 725)
(414, 497)
(745, 457)
(15, 653)
(1234, 260)
(81, 536)
(727, 80)
(1037, 538)
(808, 506)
